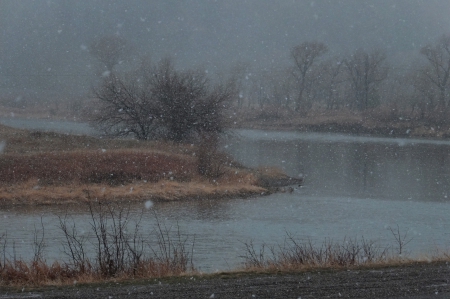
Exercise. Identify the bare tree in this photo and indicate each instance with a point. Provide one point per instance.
(438, 71)
(161, 101)
(125, 107)
(110, 50)
(365, 72)
(305, 55)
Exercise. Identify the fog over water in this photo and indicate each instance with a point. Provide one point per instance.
(44, 43)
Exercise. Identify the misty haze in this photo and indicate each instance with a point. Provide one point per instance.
(45, 44)
(150, 139)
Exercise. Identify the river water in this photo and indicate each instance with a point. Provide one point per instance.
(353, 186)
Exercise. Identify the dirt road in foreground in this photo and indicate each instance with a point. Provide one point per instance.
(411, 281)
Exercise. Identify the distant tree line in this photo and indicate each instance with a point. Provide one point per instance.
(313, 81)
(362, 81)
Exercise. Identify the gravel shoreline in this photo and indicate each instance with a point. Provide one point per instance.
(415, 280)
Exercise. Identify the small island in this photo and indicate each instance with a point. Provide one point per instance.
(50, 168)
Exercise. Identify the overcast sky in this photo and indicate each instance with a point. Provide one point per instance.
(51, 37)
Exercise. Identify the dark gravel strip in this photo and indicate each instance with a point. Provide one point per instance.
(412, 281)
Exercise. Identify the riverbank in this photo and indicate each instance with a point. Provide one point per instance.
(370, 123)
(50, 168)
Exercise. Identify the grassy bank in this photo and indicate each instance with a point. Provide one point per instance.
(51, 168)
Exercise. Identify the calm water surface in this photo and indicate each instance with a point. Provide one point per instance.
(354, 186)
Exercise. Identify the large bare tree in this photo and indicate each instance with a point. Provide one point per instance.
(161, 101)
(304, 56)
(365, 72)
(438, 70)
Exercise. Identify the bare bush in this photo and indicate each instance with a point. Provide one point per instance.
(115, 246)
(39, 244)
(172, 251)
(74, 246)
(161, 102)
(401, 239)
(121, 248)
(3, 244)
(293, 254)
(109, 224)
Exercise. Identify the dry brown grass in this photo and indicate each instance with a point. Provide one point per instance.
(110, 166)
(164, 190)
(25, 142)
(295, 255)
(274, 172)
(39, 273)
(52, 168)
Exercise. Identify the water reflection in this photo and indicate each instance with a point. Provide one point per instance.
(197, 210)
(60, 126)
(371, 169)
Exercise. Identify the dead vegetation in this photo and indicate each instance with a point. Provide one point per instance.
(52, 168)
(119, 248)
(116, 247)
(18, 141)
(294, 254)
(31, 193)
(116, 167)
